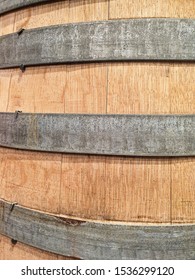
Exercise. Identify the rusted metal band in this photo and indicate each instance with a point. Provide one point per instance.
(121, 40)
(90, 240)
(125, 135)
(10, 5)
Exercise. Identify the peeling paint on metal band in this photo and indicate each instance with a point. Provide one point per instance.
(122, 135)
(10, 5)
(121, 40)
(90, 240)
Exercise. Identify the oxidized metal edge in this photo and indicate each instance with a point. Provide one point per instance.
(116, 40)
(120, 135)
(90, 240)
(11, 5)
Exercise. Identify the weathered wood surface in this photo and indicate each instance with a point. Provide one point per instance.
(149, 190)
(128, 135)
(10, 5)
(90, 240)
(138, 39)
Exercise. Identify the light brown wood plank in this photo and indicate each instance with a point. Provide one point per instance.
(138, 88)
(183, 190)
(138, 190)
(31, 179)
(5, 79)
(88, 10)
(151, 8)
(182, 88)
(61, 12)
(38, 90)
(84, 187)
(8, 251)
(7, 24)
(126, 189)
(182, 97)
(86, 88)
(151, 88)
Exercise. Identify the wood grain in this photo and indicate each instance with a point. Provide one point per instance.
(182, 88)
(80, 88)
(42, 93)
(105, 188)
(152, 8)
(32, 179)
(7, 24)
(182, 170)
(57, 89)
(183, 190)
(5, 79)
(86, 89)
(151, 88)
(116, 189)
(67, 11)
(156, 88)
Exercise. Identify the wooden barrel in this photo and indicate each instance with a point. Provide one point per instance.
(153, 192)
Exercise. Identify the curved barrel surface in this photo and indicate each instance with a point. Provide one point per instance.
(116, 189)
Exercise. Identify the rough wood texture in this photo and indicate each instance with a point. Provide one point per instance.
(77, 88)
(117, 188)
(127, 135)
(183, 190)
(169, 89)
(105, 188)
(145, 39)
(151, 88)
(66, 11)
(89, 240)
(123, 8)
(19, 251)
(32, 179)
(7, 5)
(151, 8)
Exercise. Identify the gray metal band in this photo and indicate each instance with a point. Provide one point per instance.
(90, 240)
(121, 40)
(10, 5)
(125, 135)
